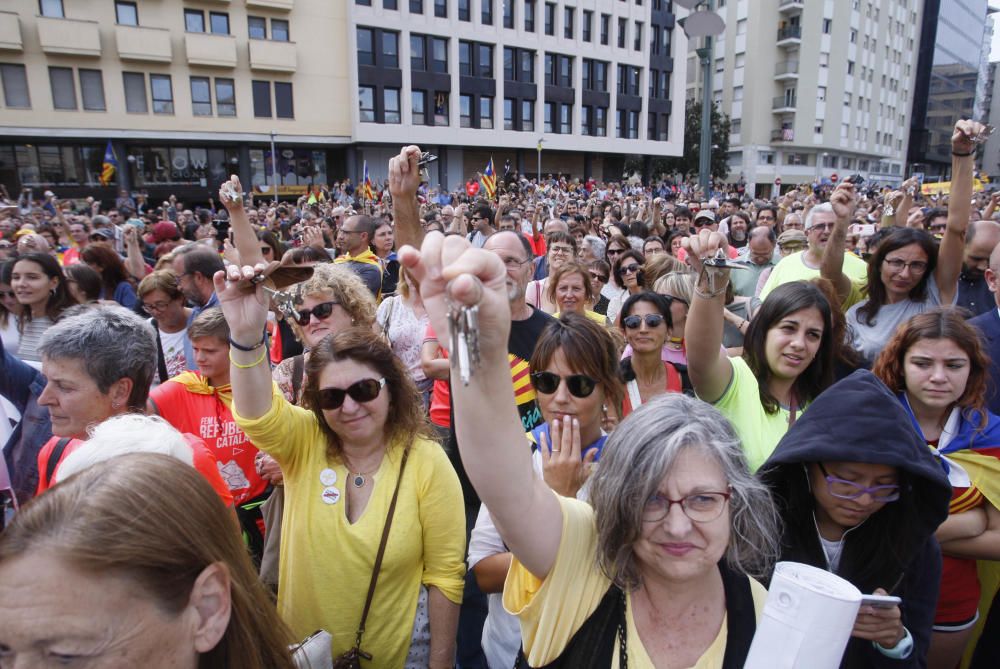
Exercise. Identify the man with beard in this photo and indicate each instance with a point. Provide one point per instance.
(973, 292)
(737, 231)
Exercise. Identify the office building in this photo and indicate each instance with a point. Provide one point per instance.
(188, 92)
(815, 89)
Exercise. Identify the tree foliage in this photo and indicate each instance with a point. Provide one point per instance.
(686, 165)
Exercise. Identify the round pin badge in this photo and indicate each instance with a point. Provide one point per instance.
(328, 477)
(330, 495)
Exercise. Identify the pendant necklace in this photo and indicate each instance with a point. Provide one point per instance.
(359, 479)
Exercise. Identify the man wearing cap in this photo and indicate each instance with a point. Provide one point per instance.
(792, 241)
(759, 257)
(805, 265)
(706, 219)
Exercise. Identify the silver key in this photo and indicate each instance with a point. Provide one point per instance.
(463, 323)
(284, 301)
(716, 268)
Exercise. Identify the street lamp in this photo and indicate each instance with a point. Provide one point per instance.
(540, 140)
(703, 23)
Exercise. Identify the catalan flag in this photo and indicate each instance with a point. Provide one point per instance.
(367, 189)
(490, 180)
(110, 165)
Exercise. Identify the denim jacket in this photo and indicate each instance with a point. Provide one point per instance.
(22, 384)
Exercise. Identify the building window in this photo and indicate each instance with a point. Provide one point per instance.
(486, 112)
(15, 86)
(257, 27)
(92, 90)
(51, 8)
(508, 13)
(416, 6)
(441, 9)
(622, 32)
(439, 55)
(162, 93)
(550, 113)
(390, 4)
(284, 106)
(135, 92)
(569, 15)
(366, 104)
(225, 97)
(63, 88)
(465, 111)
(566, 119)
(366, 47)
(600, 121)
(464, 11)
(126, 13)
(194, 21)
(262, 99)
(390, 49)
(550, 18)
(219, 23)
(441, 108)
(390, 100)
(850, 67)
(363, 3)
(485, 61)
(550, 69)
(528, 116)
(527, 66)
(827, 26)
(508, 113)
(201, 96)
(588, 21)
(417, 101)
(465, 58)
(586, 113)
(486, 12)
(566, 71)
(605, 28)
(418, 53)
(529, 16)
(279, 30)
(637, 45)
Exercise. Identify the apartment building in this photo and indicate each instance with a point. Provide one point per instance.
(190, 91)
(816, 89)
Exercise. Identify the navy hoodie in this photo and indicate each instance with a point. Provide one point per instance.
(859, 420)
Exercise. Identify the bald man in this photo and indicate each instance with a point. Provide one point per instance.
(974, 294)
(988, 324)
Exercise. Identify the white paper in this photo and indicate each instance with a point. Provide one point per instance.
(807, 620)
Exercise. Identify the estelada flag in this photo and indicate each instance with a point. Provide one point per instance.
(367, 189)
(490, 180)
(110, 165)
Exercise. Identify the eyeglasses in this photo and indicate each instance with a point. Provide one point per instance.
(615, 252)
(320, 311)
(634, 322)
(822, 227)
(897, 265)
(155, 306)
(603, 278)
(700, 507)
(561, 250)
(672, 298)
(514, 263)
(842, 489)
(630, 269)
(579, 385)
(364, 390)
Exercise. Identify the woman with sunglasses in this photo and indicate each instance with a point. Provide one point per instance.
(862, 498)
(788, 353)
(936, 365)
(574, 375)
(600, 274)
(629, 274)
(359, 445)
(645, 323)
(673, 525)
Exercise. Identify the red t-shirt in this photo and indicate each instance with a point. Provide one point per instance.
(211, 420)
(440, 409)
(960, 588)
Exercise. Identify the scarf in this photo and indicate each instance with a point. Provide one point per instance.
(195, 383)
(367, 257)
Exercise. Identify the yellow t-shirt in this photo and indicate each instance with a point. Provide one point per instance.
(600, 319)
(326, 562)
(759, 431)
(793, 268)
(553, 610)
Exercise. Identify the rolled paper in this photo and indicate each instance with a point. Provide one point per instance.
(807, 620)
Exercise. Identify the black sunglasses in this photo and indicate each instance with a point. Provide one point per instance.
(364, 390)
(579, 385)
(630, 269)
(635, 321)
(320, 311)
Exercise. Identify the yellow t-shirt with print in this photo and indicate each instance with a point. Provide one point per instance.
(553, 610)
(794, 268)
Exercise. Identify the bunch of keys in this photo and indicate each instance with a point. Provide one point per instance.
(463, 324)
(426, 158)
(283, 300)
(983, 135)
(228, 191)
(715, 268)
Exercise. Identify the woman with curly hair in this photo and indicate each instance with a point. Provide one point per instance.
(936, 366)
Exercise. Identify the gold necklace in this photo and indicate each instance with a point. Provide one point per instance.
(359, 479)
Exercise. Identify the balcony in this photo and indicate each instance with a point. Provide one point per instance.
(210, 50)
(69, 36)
(146, 44)
(790, 5)
(10, 32)
(786, 70)
(273, 56)
(789, 36)
(783, 135)
(783, 104)
(284, 5)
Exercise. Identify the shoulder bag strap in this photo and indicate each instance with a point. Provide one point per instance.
(298, 371)
(634, 398)
(161, 360)
(54, 457)
(381, 552)
(388, 317)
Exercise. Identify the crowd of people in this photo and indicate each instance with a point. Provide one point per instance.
(451, 429)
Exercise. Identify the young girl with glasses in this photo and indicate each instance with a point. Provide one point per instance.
(936, 365)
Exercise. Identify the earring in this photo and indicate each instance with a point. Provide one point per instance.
(115, 406)
(52, 292)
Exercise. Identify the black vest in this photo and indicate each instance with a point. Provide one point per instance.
(593, 645)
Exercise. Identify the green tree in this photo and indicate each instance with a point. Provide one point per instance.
(687, 164)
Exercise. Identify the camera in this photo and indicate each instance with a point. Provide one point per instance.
(221, 226)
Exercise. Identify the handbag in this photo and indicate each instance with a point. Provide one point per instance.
(352, 658)
(313, 652)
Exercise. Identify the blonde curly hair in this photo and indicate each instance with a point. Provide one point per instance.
(341, 284)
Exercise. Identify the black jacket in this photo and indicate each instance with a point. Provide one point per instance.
(859, 420)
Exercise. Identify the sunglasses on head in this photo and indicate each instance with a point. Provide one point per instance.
(364, 390)
(320, 311)
(635, 322)
(579, 385)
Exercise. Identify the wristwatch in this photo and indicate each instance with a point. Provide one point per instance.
(901, 650)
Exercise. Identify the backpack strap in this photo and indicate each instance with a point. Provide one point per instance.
(161, 360)
(298, 371)
(54, 458)
(741, 617)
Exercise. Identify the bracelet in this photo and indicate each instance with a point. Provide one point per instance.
(743, 324)
(709, 296)
(962, 155)
(263, 355)
(247, 349)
